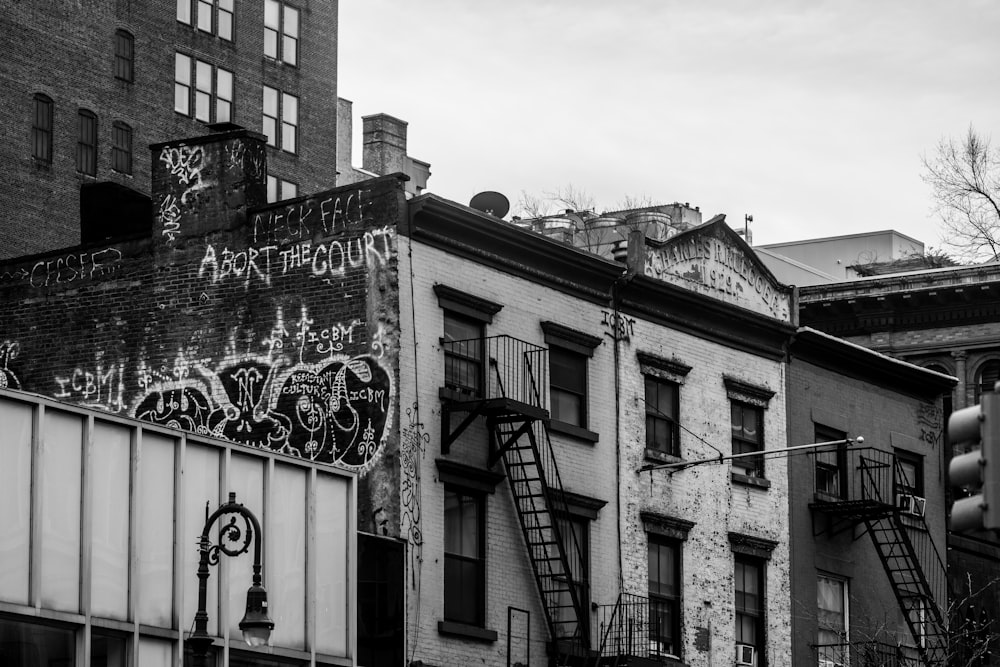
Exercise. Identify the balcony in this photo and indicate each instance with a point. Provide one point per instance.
(636, 631)
(866, 654)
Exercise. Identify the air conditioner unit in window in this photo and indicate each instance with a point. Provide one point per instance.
(746, 655)
(910, 504)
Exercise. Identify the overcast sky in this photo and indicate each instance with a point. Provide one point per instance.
(810, 115)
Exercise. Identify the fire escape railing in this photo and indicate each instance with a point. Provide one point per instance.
(501, 378)
(865, 654)
(635, 626)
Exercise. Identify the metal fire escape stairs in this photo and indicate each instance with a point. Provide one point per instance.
(517, 422)
(909, 558)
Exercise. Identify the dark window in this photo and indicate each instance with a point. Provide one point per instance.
(831, 463)
(832, 621)
(575, 534)
(749, 574)
(664, 568)
(464, 557)
(662, 406)
(568, 386)
(909, 473)
(121, 148)
(124, 55)
(988, 375)
(463, 354)
(41, 129)
(86, 145)
(380, 601)
(748, 436)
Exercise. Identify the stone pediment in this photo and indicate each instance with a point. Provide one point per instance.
(714, 260)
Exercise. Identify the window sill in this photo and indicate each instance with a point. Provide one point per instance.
(746, 480)
(577, 432)
(466, 631)
(456, 395)
(661, 457)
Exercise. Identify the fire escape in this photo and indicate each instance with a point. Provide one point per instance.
(866, 486)
(503, 381)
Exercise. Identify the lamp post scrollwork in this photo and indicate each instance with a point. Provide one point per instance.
(235, 538)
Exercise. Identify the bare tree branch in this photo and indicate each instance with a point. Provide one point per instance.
(965, 182)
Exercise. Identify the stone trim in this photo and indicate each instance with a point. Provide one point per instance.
(577, 505)
(666, 526)
(668, 369)
(466, 304)
(459, 474)
(466, 631)
(743, 391)
(571, 339)
(748, 545)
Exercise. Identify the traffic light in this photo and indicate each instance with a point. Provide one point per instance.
(979, 471)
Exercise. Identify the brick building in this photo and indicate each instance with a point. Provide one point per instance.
(544, 436)
(89, 86)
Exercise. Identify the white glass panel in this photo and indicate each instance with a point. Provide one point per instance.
(289, 190)
(286, 540)
(15, 499)
(60, 475)
(333, 509)
(182, 69)
(224, 84)
(184, 11)
(223, 111)
(203, 74)
(202, 106)
(204, 16)
(272, 188)
(246, 479)
(201, 486)
(271, 13)
(288, 137)
(289, 109)
(270, 43)
(182, 100)
(291, 26)
(156, 540)
(270, 102)
(155, 652)
(109, 486)
(226, 26)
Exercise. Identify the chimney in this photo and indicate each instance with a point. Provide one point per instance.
(384, 150)
(205, 185)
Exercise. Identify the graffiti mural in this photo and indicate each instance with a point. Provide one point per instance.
(412, 445)
(8, 352)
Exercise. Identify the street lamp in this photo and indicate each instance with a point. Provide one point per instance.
(234, 539)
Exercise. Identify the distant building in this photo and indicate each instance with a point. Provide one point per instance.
(383, 150)
(89, 86)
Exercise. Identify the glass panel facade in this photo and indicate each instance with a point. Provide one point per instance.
(33, 645)
(155, 497)
(109, 511)
(15, 499)
(60, 482)
(287, 547)
(333, 622)
(199, 497)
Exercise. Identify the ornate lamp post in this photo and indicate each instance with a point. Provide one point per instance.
(234, 539)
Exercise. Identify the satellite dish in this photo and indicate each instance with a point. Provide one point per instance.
(492, 203)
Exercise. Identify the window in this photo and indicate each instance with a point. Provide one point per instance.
(748, 436)
(86, 145)
(986, 377)
(831, 621)
(281, 32)
(464, 557)
(831, 463)
(225, 19)
(279, 189)
(121, 148)
(664, 584)
(289, 115)
(205, 10)
(749, 586)
(182, 84)
(662, 407)
(124, 55)
(184, 11)
(211, 16)
(212, 86)
(909, 475)
(568, 386)
(41, 129)
(574, 532)
(463, 354)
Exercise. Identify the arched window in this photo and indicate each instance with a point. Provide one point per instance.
(86, 145)
(987, 376)
(41, 129)
(124, 55)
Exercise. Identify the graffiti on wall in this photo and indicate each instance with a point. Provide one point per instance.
(930, 417)
(413, 441)
(316, 216)
(618, 326)
(373, 248)
(185, 164)
(67, 268)
(302, 394)
(8, 352)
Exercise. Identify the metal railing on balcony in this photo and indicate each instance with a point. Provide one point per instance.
(636, 626)
(866, 654)
(496, 367)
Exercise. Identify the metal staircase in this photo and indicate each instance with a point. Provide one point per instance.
(517, 421)
(909, 558)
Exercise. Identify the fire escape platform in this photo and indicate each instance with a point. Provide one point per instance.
(499, 410)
